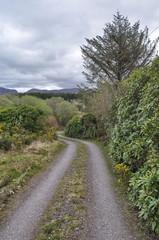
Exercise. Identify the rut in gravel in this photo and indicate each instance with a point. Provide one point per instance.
(106, 217)
(26, 217)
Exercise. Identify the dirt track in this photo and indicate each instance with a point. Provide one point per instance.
(26, 217)
(106, 220)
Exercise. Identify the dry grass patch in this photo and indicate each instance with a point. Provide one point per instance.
(16, 167)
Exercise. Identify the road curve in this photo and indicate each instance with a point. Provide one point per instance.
(106, 219)
(26, 217)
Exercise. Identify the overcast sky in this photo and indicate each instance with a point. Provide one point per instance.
(40, 39)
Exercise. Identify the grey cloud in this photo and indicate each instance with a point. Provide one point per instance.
(40, 40)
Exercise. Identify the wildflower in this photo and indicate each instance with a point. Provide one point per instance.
(119, 181)
(118, 166)
(126, 168)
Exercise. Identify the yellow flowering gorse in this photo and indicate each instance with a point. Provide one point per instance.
(123, 172)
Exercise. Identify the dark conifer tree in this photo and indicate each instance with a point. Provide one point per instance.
(122, 48)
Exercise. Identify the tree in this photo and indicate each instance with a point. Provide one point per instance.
(120, 50)
(65, 111)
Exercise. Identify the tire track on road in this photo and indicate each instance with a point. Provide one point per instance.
(26, 217)
(107, 221)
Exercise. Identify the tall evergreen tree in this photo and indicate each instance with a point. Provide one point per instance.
(122, 48)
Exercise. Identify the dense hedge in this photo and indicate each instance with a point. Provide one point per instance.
(135, 139)
(25, 116)
(82, 127)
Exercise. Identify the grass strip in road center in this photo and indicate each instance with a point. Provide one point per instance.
(66, 217)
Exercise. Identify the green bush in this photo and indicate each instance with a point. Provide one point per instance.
(5, 142)
(144, 191)
(5, 101)
(65, 111)
(25, 116)
(82, 127)
(74, 127)
(136, 133)
(135, 140)
(34, 101)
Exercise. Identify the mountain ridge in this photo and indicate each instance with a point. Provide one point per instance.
(32, 90)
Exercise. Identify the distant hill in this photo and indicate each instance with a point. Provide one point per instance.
(7, 91)
(64, 90)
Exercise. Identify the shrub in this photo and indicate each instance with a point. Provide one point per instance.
(34, 101)
(65, 111)
(82, 127)
(5, 142)
(5, 101)
(136, 134)
(53, 103)
(135, 140)
(25, 116)
(122, 172)
(74, 127)
(144, 191)
(30, 100)
(48, 133)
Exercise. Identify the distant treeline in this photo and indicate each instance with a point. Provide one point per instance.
(65, 96)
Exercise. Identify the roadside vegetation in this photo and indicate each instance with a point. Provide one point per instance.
(28, 140)
(135, 139)
(18, 166)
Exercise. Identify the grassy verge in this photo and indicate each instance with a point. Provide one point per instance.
(66, 216)
(142, 231)
(16, 167)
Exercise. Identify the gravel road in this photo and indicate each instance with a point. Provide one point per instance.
(26, 217)
(106, 219)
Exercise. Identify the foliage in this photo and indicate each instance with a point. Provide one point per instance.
(136, 133)
(31, 101)
(144, 191)
(122, 172)
(74, 127)
(101, 100)
(19, 166)
(82, 127)
(14, 137)
(45, 95)
(114, 56)
(135, 140)
(5, 101)
(65, 111)
(52, 122)
(25, 116)
(53, 103)
(48, 133)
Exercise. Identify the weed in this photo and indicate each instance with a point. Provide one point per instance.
(17, 167)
